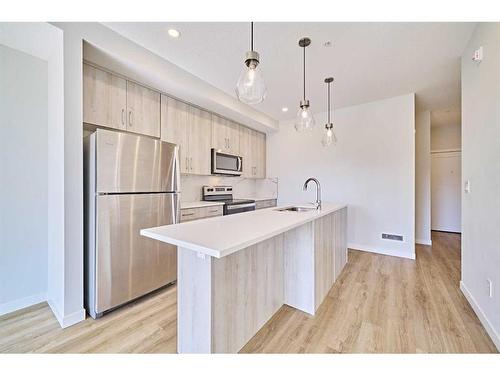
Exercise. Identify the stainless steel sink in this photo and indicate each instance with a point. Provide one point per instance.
(296, 209)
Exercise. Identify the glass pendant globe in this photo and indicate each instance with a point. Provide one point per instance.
(329, 138)
(304, 119)
(250, 87)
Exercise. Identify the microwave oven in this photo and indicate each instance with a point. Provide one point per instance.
(226, 164)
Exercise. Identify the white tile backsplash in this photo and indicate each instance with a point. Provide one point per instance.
(242, 187)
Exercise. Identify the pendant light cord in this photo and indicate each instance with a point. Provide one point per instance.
(251, 36)
(329, 105)
(304, 48)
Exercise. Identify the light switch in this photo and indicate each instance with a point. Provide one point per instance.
(467, 186)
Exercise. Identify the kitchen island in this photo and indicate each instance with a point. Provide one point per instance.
(236, 271)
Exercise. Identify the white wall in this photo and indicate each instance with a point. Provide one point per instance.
(481, 166)
(24, 176)
(45, 42)
(446, 137)
(372, 169)
(423, 178)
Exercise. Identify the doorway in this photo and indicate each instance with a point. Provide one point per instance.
(446, 191)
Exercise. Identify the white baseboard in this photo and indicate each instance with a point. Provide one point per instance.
(73, 318)
(22, 303)
(423, 242)
(399, 254)
(495, 337)
(66, 320)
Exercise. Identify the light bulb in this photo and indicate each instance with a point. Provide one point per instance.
(250, 87)
(329, 138)
(305, 119)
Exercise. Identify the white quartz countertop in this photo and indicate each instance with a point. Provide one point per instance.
(198, 204)
(223, 235)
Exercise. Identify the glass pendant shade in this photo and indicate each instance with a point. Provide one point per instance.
(250, 87)
(305, 119)
(329, 138)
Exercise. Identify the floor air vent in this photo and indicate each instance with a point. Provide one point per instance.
(393, 237)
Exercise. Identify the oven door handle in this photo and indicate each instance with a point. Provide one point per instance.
(239, 163)
(237, 206)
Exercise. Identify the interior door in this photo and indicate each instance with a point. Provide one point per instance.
(129, 265)
(446, 191)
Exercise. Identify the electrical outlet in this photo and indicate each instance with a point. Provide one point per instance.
(478, 55)
(490, 288)
(467, 186)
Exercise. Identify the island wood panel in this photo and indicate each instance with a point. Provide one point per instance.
(340, 230)
(247, 291)
(194, 302)
(326, 244)
(299, 267)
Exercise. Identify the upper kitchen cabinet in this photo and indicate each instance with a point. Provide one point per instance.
(114, 102)
(143, 110)
(190, 128)
(225, 135)
(104, 98)
(199, 139)
(174, 127)
(253, 151)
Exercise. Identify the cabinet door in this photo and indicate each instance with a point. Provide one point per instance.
(104, 98)
(259, 154)
(174, 127)
(143, 110)
(220, 133)
(199, 140)
(233, 134)
(246, 151)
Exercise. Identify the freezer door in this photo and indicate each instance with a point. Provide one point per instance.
(128, 265)
(128, 163)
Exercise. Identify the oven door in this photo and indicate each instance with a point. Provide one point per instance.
(230, 209)
(226, 164)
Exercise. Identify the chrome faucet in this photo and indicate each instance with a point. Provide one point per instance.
(318, 191)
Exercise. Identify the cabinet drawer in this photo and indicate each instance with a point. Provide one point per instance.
(265, 204)
(212, 211)
(189, 214)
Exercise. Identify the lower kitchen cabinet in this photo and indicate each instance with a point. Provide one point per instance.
(190, 214)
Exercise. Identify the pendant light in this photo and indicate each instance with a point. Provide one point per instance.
(250, 88)
(329, 137)
(305, 119)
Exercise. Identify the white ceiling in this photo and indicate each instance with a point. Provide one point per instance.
(369, 61)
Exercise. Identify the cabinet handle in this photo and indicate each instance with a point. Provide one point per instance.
(191, 163)
(130, 118)
(214, 211)
(187, 163)
(123, 116)
(191, 214)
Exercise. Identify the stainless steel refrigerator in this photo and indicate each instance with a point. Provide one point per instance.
(131, 182)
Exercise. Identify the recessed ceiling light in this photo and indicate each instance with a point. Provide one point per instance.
(284, 109)
(174, 33)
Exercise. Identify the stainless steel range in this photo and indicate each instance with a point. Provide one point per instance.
(225, 194)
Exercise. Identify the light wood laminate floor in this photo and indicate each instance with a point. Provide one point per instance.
(380, 304)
